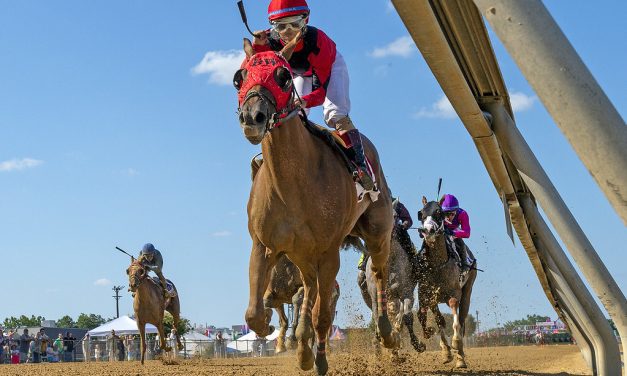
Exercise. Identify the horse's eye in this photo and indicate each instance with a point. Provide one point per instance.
(239, 77)
(283, 78)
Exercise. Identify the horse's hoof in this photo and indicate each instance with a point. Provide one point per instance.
(446, 357)
(305, 356)
(280, 349)
(292, 342)
(167, 349)
(322, 366)
(460, 363)
(419, 346)
(429, 332)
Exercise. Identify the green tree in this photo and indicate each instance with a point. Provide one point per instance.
(66, 322)
(89, 321)
(168, 322)
(16, 322)
(529, 320)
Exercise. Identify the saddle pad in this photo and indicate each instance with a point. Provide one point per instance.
(169, 286)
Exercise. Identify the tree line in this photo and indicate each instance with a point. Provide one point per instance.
(84, 321)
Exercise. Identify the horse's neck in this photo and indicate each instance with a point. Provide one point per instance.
(287, 151)
(146, 291)
(438, 254)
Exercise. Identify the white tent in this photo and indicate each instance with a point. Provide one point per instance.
(246, 343)
(194, 342)
(122, 325)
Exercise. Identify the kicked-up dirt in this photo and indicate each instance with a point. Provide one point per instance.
(560, 360)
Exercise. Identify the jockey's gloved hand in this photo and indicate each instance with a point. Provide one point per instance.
(261, 37)
(405, 225)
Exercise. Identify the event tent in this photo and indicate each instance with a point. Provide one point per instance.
(122, 325)
(194, 342)
(246, 343)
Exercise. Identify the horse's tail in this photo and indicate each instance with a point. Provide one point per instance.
(354, 242)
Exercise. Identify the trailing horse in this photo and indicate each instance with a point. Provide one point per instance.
(303, 203)
(149, 304)
(401, 286)
(440, 282)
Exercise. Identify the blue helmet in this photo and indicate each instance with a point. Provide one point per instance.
(148, 248)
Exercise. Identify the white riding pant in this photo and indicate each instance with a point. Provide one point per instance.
(337, 103)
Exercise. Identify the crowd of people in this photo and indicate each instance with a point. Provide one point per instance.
(27, 348)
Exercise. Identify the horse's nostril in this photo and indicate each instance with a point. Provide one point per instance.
(241, 118)
(260, 118)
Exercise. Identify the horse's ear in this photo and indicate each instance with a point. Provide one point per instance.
(424, 201)
(288, 49)
(420, 215)
(248, 48)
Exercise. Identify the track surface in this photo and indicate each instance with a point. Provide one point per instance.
(515, 361)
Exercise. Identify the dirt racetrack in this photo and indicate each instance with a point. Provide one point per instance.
(520, 360)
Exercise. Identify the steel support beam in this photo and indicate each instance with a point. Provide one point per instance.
(567, 89)
(574, 292)
(572, 235)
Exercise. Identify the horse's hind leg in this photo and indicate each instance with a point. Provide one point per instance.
(280, 341)
(379, 252)
(464, 306)
(441, 322)
(304, 331)
(262, 260)
(297, 302)
(322, 316)
(408, 320)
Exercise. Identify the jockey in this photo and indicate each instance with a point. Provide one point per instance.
(457, 224)
(402, 222)
(151, 259)
(320, 73)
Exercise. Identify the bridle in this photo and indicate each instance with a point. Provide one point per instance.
(275, 119)
(136, 279)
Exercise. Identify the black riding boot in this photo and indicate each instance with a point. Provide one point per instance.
(460, 247)
(360, 159)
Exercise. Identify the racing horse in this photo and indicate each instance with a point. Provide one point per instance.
(401, 286)
(149, 304)
(440, 282)
(303, 203)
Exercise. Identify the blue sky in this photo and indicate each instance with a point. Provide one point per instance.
(118, 127)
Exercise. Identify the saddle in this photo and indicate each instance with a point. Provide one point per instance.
(338, 145)
(169, 286)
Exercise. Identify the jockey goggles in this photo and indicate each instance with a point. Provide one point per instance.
(295, 23)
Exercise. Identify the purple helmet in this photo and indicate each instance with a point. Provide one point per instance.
(450, 203)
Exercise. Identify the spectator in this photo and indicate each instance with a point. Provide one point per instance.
(68, 346)
(15, 355)
(57, 345)
(219, 344)
(25, 340)
(3, 340)
(44, 342)
(53, 356)
(172, 342)
(86, 348)
(130, 350)
(121, 349)
(112, 340)
(97, 352)
(31, 351)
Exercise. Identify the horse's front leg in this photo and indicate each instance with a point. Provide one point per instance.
(280, 343)
(441, 322)
(304, 331)
(322, 315)
(142, 339)
(262, 260)
(408, 320)
(379, 253)
(457, 342)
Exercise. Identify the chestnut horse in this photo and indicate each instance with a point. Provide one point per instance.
(149, 304)
(439, 280)
(303, 203)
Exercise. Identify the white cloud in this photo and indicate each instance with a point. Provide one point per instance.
(102, 282)
(521, 101)
(222, 233)
(220, 66)
(130, 171)
(19, 164)
(441, 109)
(403, 46)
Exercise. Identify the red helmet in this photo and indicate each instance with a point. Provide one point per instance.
(285, 8)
